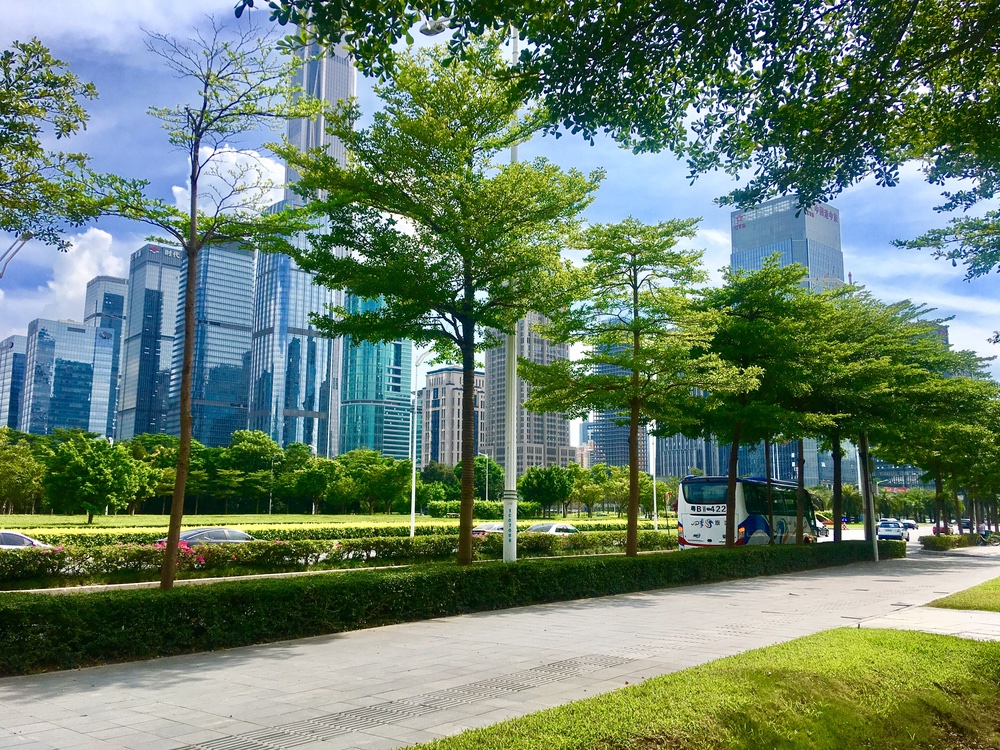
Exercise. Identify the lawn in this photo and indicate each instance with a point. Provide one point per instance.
(985, 596)
(37, 521)
(844, 688)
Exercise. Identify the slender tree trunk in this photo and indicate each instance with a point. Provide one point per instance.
(770, 491)
(800, 495)
(838, 489)
(468, 447)
(865, 488)
(632, 529)
(734, 456)
(939, 495)
(168, 572)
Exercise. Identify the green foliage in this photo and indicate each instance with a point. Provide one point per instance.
(482, 510)
(21, 475)
(484, 467)
(985, 597)
(549, 486)
(61, 632)
(943, 542)
(91, 475)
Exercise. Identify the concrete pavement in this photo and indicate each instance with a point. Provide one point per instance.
(399, 685)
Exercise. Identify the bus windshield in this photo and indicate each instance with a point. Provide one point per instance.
(705, 493)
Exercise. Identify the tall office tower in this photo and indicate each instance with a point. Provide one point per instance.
(67, 377)
(809, 237)
(105, 308)
(12, 356)
(678, 456)
(441, 429)
(609, 435)
(542, 439)
(221, 377)
(295, 370)
(148, 341)
(375, 392)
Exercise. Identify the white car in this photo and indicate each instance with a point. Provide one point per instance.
(562, 529)
(487, 528)
(892, 529)
(14, 540)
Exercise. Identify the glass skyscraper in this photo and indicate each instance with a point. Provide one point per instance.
(67, 377)
(12, 357)
(105, 308)
(295, 371)
(221, 377)
(147, 348)
(375, 392)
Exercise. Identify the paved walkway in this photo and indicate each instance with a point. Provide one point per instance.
(399, 685)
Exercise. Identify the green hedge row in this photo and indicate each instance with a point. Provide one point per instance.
(43, 632)
(940, 542)
(482, 510)
(291, 532)
(81, 561)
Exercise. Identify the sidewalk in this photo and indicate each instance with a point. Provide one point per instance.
(395, 686)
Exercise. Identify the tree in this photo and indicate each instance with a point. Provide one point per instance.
(811, 97)
(41, 192)
(449, 243)
(488, 474)
(20, 475)
(372, 480)
(549, 486)
(639, 321)
(241, 86)
(90, 475)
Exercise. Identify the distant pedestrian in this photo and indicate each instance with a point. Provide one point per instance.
(983, 531)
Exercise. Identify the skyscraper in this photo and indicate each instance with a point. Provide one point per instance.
(608, 432)
(809, 237)
(295, 370)
(542, 439)
(375, 392)
(441, 399)
(12, 357)
(105, 308)
(67, 380)
(221, 377)
(147, 348)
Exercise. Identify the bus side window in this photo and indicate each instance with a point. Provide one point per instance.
(785, 506)
(755, 497)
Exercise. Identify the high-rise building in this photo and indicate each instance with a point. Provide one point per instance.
(678, 456)
(610, 434)
(375, 392)
(105, 308)
(809, 237)
(67, 381)
(12, 356)
(542, 439)
(441, 423)
(295, 370)
(221, 377)
(148, 341)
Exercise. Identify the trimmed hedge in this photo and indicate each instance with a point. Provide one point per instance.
(43, 632)
(82, 561)
(942, 542)
(481, 509)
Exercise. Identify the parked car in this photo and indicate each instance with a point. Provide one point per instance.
(487, 528)
(891, 529)
(16, 540)
(966, 524)
(909, 523)
(943, 527)
(217, 535)
(562, 529)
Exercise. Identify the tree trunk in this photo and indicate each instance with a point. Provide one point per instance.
(838, 490)
(800, 495)
(468, 447)
(734, 456)
(865, 488)
(632, 529)
(939, 495)
(770, 491)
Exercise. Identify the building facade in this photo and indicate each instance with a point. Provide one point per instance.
(105, 308)
(542, 439)
(13, 350)
(148, 341)
(375, 406)
(67, 383)
(441, 420)
(221, 377)
(295, 370)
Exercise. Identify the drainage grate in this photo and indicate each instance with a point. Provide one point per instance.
(314, 730)
(278, 737)
(502, 684)
(236, 743)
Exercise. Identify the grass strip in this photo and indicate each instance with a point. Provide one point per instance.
(41, 632)
(985, 596)
(843, 688)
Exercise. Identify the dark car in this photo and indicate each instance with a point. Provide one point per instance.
(217, 535)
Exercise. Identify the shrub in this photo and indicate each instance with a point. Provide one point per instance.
(41, 632)
(481, 509)
(941, 542)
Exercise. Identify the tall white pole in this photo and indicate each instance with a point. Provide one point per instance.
(413, 466)
(510, 412)
(652, 470)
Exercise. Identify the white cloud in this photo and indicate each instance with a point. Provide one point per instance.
(259, 180)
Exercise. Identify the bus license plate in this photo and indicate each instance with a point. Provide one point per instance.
(708, 508)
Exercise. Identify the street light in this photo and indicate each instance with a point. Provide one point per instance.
(413, 445)
(10, 252)
(652, 470)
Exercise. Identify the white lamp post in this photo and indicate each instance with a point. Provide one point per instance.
(10, 252)
(413, 445)
(652, 470)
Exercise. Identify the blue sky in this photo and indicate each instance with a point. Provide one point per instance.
(102, 40)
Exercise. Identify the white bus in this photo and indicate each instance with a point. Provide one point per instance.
(701, 512)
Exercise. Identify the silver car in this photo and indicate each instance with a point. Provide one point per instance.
(891, 529)
(15, 540)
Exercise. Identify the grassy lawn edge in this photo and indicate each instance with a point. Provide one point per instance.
(985, 596)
